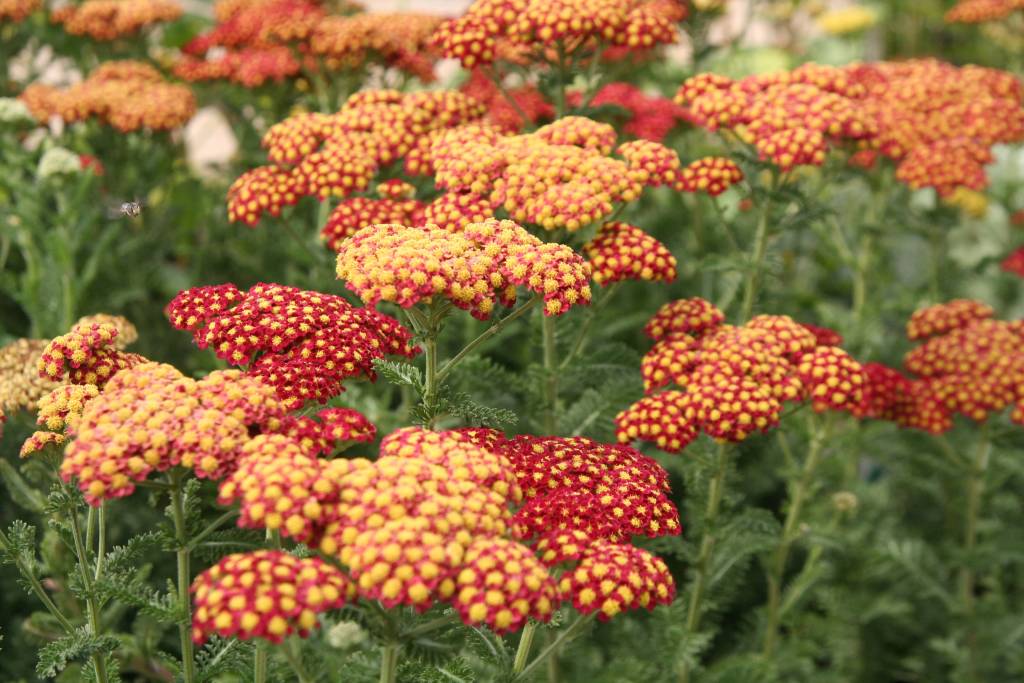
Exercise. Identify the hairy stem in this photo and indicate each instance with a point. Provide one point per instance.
(799, 491)
(101, 547)
(184, 578)
(259, 669)
(430, 383)
(293, 653)
(707, 545)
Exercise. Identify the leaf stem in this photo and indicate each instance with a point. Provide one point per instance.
(293, 653)
(388, 663)
(35, 584)
(550, 650)
(259, 668)
(525, 643)
(210, 528)
(753, 282)
(485, 335)
(90, 596)
(184, 578)
(581, 338)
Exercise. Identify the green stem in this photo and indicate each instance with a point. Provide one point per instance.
(389, 663)
(259, 668)
(525, 643)
(756, 264)
(34, 584)
(293, 653)
(798, 496)
(550, 374)
(707, 545)
(297, 238)
(210, 528)
(581, 337)
(184, 579)
(101, 547)
(430, 383)
(560, 94)
(90, 599)
(550, 650)
(860, 282)
(485, 335)
(432, 625)
(975, 491)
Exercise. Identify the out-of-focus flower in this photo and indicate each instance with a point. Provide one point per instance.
(474, 269)
(733, 380)
(302, 343)
(57, 161)
(126, 95)
(971, 202)
(507, 116)
(946, 317)
(621, 251)
(127, 334)
(843, 20)
(21, 386)
(981, 11)
(265, 594)
(713, 175)
(649, 117)
(16, 11)
(353, 214)
(1014, 263)
(108, 20)
(13, 111)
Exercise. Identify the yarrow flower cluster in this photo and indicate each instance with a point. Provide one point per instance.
(123, 94)
(732, 380)
(650, 117)
(621, 251)
(89, 354)
(337, 155)
(474, 269)
(16, 11)
(271, 40)
(981, 11)
(108, 20)
(302, 343)
(150, 418)
(935, 121)
(21, 386)
(967, 363)
(489, 30)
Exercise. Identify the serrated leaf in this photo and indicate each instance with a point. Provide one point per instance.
(399, 374)
(77, 645)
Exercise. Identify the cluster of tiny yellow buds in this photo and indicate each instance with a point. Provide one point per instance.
(453, 211)
(571, 205)
(333, 427)
(946, 317)
(731, 408)
(474, 269)
(108, 20)
(502, 584)
(982, 11)
(713, 175)
(291, 140)
(125, 95)
(684, 316)
(621, 251)
(279, 487)
(88, 354)
(16, 11)
(127, 334)
(150, 418)
(264, 189)
(396, 188)
(353, 214)
(469, 39)
(39, 441)
(611, 578)
(579, 131)
(61, 409)
(832, 378)
(265, 594)
(654, 163)
(21, 386)
(792, 337)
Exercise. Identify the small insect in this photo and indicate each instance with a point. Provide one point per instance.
(129, 209)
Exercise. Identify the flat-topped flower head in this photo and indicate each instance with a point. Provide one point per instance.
(946, 317)
(88, 354)
(16, 11)
(693, 316)
(712, 175)
(832, 378)
(621, 251)
(611, 578)
(655, 164)
(333, 429)
(108, 20)
(665, 419)
(353, 214)
(303, 343)
(265, 594)
(474, 269)
(981, 11)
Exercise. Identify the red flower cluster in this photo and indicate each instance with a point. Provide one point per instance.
(124, 94)
(650, 117)
(302, 343)
(621, 251)
(109, 20)
(474, 269)
(88, 354)
(335, 429)
(503, 114)
(490, 29)
(265, 594)
(1014, 263)
(733, 380)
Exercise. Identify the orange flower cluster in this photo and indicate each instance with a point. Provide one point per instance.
(493, 28)
(109, 20)
(733, 380)
(944, 318)
(474, 269)
(16, 11)
(124, 94)
(325, 155)
(302, 343)
(151, 417)
(980, 11)
(88, 354)
(257, 41)
(937, 122)
(621, 251)
(265, 594)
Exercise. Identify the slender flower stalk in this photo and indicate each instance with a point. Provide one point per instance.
(716, 490)
(184, 577)
(975, 492)
(756, 265)
(389, 663)
(34, 584)
(87, 584)
(550, 374)
(525, 643)
(799, 491)
(550, 650)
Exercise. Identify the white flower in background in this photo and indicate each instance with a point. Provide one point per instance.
(345, 635)
(58, 161)
(14, 111)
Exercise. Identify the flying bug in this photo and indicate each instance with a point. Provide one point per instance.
(129, 209)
